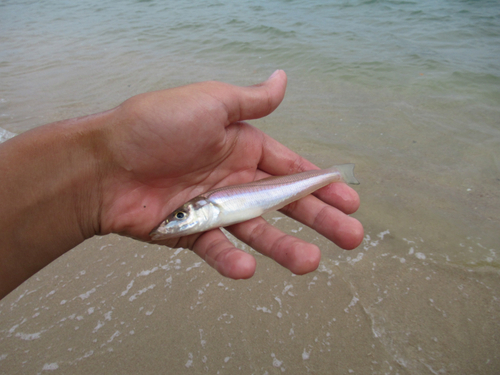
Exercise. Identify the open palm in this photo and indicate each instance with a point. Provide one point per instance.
(172, 145)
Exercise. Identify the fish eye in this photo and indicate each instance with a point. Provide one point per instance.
(180, 215)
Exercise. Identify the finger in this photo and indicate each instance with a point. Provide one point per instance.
(214, 247)
(345, 231)
(298, 256)
(277, 159)
(341, 196)
(246, 103)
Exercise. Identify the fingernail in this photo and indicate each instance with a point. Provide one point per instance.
(274, 74)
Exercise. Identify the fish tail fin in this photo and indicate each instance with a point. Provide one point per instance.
(347, 173)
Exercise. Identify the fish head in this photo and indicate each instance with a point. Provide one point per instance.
(197, 215)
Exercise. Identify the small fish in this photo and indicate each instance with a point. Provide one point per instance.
(233, 204)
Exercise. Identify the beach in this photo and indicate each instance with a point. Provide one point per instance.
(409, 92)
(113, 305)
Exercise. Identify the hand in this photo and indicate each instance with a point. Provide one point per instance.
(124, 170)
(168, 146)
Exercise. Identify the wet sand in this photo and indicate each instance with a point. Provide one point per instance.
(115, 305)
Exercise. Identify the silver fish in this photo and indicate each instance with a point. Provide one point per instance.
(233, 204)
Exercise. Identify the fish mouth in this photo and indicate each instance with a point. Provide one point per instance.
(155, 232)
(162, 232)
(156, 236)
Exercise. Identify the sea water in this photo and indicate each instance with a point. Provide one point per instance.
(407, 90)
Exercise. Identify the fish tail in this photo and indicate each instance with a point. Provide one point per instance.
(347, 173)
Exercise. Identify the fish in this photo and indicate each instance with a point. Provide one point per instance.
(234, 204)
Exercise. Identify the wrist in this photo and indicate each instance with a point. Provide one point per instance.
(86, 168)
(51, 178)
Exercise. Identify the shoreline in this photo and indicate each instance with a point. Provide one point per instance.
(111, 297)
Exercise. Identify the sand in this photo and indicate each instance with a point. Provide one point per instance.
(115, 305)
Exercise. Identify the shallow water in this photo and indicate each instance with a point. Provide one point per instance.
(409, 91)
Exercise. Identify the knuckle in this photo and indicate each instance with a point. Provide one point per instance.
(256, 233)
(290, 208)
(296, 165)
(321, 218)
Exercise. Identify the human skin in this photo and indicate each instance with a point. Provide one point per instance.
(122, 171)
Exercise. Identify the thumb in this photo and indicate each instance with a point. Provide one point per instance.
(252, 102)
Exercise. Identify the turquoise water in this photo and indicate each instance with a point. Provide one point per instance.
(407, 90)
